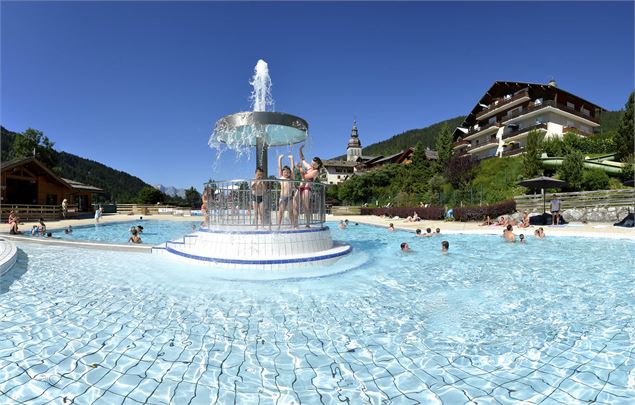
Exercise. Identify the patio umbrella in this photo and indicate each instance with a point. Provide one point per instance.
(543, 182)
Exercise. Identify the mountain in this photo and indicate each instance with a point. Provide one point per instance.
(119, 186)
(170, 190)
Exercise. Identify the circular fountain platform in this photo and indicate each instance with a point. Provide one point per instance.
(257, 249)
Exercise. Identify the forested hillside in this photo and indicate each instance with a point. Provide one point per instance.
(119, 186)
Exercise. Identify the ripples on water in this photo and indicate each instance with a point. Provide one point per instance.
(549, 321)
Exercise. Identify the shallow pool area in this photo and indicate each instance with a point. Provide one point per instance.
(154, 232)
(551, 321)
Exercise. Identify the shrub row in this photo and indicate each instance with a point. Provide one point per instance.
(477, 213)
(429, 213)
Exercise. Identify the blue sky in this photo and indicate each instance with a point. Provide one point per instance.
(138, 86)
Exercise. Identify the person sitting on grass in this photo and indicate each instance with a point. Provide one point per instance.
(135, 238)
(445, 246)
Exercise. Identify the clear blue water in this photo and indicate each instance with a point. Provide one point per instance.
(552, 321)
(154, 232)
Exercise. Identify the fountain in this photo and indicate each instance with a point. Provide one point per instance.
(232, 236)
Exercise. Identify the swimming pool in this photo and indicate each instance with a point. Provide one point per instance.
(491, 322)
(154, 232)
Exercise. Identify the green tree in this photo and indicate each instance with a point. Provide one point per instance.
(150, 195)
(624, 136)
(443, 146)
(33, 143)
(532, 166)
(572, 169)
(595, 180)
(193, 197)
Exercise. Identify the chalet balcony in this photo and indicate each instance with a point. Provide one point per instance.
(502, 104)
(461, 144)
(523, 130)
(548, 103)
(576, 131)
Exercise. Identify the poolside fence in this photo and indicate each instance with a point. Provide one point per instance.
(30, 212)
(578, 200)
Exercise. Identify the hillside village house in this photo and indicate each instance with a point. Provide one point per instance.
(27, 181)
(504, 116)
(339, 170)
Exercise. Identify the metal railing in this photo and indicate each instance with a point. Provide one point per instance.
(268, 204)
(501, 103)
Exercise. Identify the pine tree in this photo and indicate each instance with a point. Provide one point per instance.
(624, 136)
(572, 169)
(443, 145)
(532, 166)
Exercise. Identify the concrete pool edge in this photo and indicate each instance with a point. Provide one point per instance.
(8, 255)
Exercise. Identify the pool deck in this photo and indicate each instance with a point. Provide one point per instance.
(602, 230)
(596, 230)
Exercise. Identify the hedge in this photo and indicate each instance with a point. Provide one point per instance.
(477, 213)
(429, 213)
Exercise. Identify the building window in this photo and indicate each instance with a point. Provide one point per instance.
(570, 105)
(492, 120)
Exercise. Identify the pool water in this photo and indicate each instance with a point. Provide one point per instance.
(552, 321)
(154, 231)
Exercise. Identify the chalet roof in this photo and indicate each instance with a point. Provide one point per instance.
(339, 163)
(500, 88)
(387, 158)
(42, 169)
(35, 166)
(80, 186)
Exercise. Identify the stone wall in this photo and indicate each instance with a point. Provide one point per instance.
(596, 214)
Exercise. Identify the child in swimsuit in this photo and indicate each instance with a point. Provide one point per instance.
(258, 193)
(309, 175)
(286, 192)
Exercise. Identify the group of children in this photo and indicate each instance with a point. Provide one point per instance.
(293, 201)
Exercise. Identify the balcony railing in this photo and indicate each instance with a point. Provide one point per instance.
(502, 103)
(576, 131)
(549, 103)
(256, 204)
(526, 129)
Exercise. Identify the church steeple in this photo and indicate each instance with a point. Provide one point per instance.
(354, 148)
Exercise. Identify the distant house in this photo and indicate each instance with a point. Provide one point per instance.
(27, 181)
(336, 171)
(504, 116)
